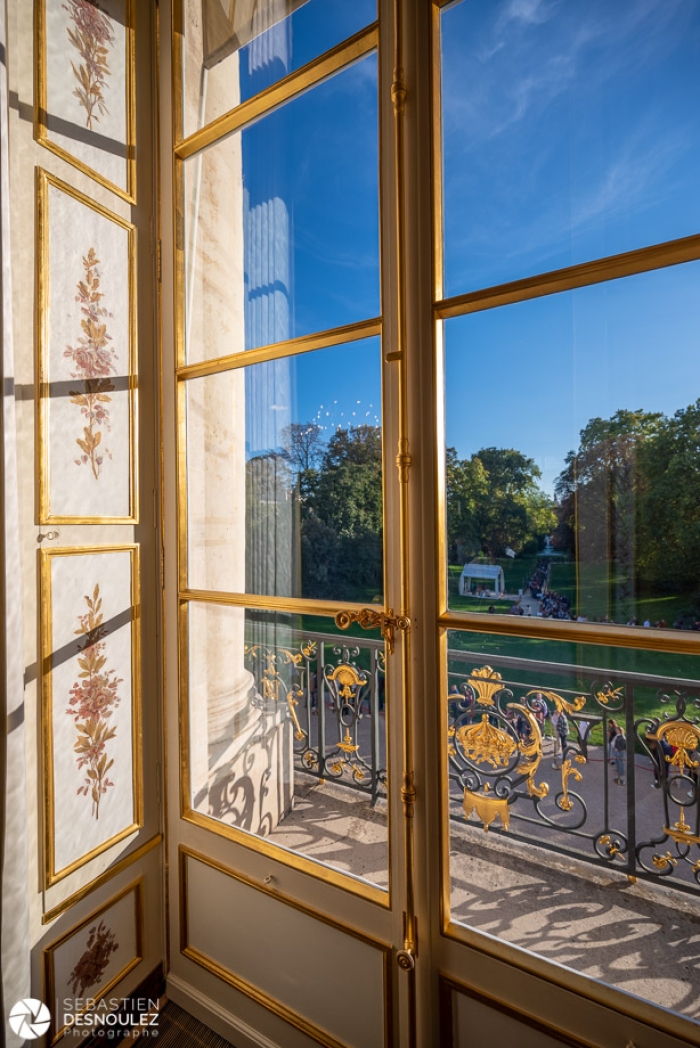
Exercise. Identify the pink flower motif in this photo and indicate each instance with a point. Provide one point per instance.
(91, 37)
(93, 699)
(93, 358)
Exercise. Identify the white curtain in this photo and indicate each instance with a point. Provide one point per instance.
(230, 24)
(14, 931)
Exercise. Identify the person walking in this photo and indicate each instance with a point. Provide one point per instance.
(540, 709)
(612, 732)
(561, 735)
(619, 748)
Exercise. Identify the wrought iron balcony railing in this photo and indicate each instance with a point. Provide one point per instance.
(506, 772)
(579, 796)
(333, 688)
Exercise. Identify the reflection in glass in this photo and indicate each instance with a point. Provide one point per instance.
(583, 778)
(573, 466)
(287, 736)
(281, 222)
(569, 133)
(231, 51)
(284, 477)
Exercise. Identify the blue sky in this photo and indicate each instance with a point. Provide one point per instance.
(570, 133)
(531, 375)
(319, 155)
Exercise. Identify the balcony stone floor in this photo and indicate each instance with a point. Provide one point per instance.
(641, 937)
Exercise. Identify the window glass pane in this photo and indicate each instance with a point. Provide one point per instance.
(287, 733)
(570, 133)
(232, 51)
(284, 477)
(282, 222)
(573, 475)
(582, 763)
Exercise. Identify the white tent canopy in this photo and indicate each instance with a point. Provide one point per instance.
(488, 575)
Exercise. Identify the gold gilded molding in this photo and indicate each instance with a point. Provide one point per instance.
(51, 875)
(48, 952)
(330, 62)
(45, 180)
(289, 347)
(449, 984)
(677, 642)
(186, 853)
(41, 130)
(584, 986)
(113, 871)
(628, 263)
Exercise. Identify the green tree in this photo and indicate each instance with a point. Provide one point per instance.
(668, 519)
(342, 518)
(601, 493)
(494, 501)
(466, 491)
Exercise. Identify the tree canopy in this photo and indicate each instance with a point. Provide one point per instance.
(629, 495)
(494, 501)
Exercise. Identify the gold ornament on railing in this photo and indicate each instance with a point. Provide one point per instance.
(485, 682)
(607, 843)
(567, 771)
(347, 679)
(562, 704)
(682, 735)
(482, 743)
(487, 807)
(604, 697)
(663, 862)
(292, 701)
(681, 832)
(532, 752)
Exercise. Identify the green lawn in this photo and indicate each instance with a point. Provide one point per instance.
(596, 656)
(596, 582)
(603, 660)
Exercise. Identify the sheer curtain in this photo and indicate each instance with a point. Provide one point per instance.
(230, 24)
(14, 931)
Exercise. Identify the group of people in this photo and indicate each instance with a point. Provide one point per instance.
(616, 739)
(551, 605)
(538, 581)
(660, 750)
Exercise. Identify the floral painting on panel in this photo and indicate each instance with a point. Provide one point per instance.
(90, 656)
(90, 960)
(87, 355)
(85, 112)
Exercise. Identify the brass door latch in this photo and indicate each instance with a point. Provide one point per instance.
(369, 619)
